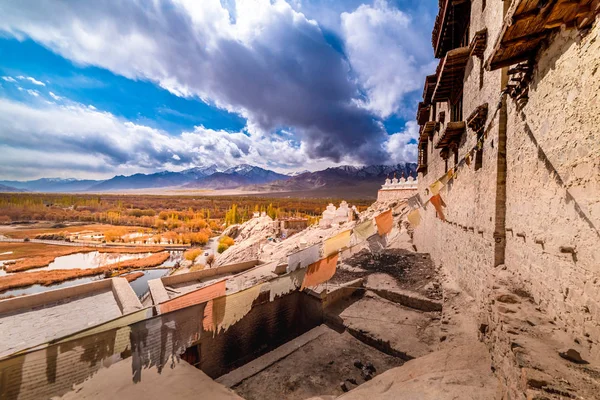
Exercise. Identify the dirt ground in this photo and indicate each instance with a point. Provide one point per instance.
(317, 368)
(411, 271)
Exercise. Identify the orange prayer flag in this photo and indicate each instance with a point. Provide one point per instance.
(201, 295)
(384, 222)
(320, 272)
(438, 203)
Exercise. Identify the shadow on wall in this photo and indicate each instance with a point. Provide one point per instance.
(158, 342)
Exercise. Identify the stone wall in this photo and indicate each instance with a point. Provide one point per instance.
(395, 194)
(532, 212)
(466, 243)
(553, 184)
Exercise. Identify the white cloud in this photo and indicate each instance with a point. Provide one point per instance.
(34, 93)
(55, 97)
(9, 79)
(35, 81)
(399, 145)
(259, 58)
(73, 139)
(389, 53)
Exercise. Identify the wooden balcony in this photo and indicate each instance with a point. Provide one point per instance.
(450, 24)
(429, 128)
(529, 22)
(452, 134)
(451, 72)
(423, 113)
(430, 82)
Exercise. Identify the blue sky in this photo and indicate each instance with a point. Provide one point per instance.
(92, 90)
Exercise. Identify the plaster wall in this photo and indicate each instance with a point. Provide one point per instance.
(465, 244)
(553, 183)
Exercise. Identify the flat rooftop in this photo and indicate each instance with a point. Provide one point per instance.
(33, 320)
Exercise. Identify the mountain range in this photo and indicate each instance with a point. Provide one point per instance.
(244, 177)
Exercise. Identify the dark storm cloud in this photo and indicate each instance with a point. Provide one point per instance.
(279, 72)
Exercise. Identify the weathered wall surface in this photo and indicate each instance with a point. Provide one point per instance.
(465, 243)
(155, 343)
(553, 181)
(267, 326)
(390, 195)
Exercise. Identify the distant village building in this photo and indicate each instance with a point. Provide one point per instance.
(333, 215)
(286, 227)
(394, 189)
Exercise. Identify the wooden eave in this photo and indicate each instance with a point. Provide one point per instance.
(452, 15)
(479, 43)
(430, 82)
(423, 113)
(452, 134)
(451, 72)
(429, 128)
(476, 121)
(529, 22)
(422, 168)
(423, 137)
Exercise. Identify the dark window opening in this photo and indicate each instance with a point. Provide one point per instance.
(481, 72)
(483, 4)
(455, 156)
(465, 38)
(479, 153)
(456, 109)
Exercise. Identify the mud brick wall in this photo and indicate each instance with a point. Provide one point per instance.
(390, 195)
(155, 343)
(553, 183)
(466, 243)
(267, 326)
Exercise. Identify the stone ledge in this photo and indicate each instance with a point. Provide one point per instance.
(126, 298)
(407, 299)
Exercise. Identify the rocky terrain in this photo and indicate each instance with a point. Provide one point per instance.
(411, 312)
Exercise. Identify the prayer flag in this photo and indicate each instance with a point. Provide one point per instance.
(320, 272)
(304, 257)
(285, 284)
(435, 187)
(438, 203)
(336, 243)
(384, 222)
(415, 202)
(198, 296)
(468, 159)
(227, 310)
(364, 230)
(445, 178)
(377, 243)
(414, 217)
